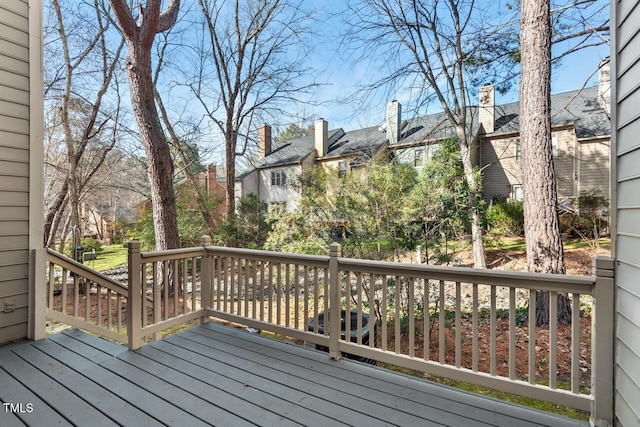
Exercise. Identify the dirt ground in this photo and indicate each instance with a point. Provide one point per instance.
(578, 262)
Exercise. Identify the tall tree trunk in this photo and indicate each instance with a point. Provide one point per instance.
(544, 245)
(160, 165)
(477, 244)
(231, 137)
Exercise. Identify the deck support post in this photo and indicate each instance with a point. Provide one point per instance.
(38, 295)
(134, 297)
(335, 252)
(602, 343)
(206, 283)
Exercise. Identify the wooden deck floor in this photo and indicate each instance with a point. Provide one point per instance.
(216, 375)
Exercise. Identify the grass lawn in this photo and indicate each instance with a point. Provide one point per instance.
(111, 256)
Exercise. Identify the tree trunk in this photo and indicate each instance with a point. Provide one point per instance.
(544, 245)
(53, 215)
(479, 260)
(139, 34)
(232, 141)
(160, 164)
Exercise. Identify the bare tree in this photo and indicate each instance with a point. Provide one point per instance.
(425, 44)
(250, 66)
(544, 246)
(79, 124)
(139, 35)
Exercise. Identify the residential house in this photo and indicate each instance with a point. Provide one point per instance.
(418, 138)
(581, 135)
(581, 139)
(272, 176)
(21, 160)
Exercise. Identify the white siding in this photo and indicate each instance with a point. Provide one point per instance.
(277, 194)
(14, 167)
(626, 200)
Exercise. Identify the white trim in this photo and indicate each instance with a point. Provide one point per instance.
(37, 310)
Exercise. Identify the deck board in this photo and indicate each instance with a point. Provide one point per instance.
(13, 391)
(285, 391)
(217, 375)
(426, 394)
(199, 382)
(109, 407)
(369, 405)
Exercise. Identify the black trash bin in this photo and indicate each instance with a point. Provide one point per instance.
(368, 331)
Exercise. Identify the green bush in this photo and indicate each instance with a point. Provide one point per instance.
(591, 218)
(506, 217)
(89, 244)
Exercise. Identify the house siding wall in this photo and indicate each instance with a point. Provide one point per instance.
(626, 200)
(593, 166)
(275, 194)
(14, 169)
(502, 169)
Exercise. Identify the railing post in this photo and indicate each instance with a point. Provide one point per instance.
(206, 283)
(602, 342)
(38, 303)
(335, 252)
(134, 297)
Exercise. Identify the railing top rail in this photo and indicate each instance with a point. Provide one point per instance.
(95, 276)
(539, 281)
(171, 254)
(279, 257)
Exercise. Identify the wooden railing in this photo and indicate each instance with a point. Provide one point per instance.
(430, 318)
(471, 325)
(84, 298)
(164, 291)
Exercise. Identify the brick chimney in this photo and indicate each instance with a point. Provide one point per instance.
(604, 85)
(212, 178)
(394, 120)
(264, 141)
(487, 115)
(321, 137)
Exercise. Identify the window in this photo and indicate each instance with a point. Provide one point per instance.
(279, 178)
(516, 193)
(418, 157)
(342, 168)
(518, 153)
(554, 145)
(432, 150)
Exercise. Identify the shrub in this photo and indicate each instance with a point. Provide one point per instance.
(506, 217)
(89, 244)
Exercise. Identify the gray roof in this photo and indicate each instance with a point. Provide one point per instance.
(360, 145)
(578, 107)
(434, 127)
